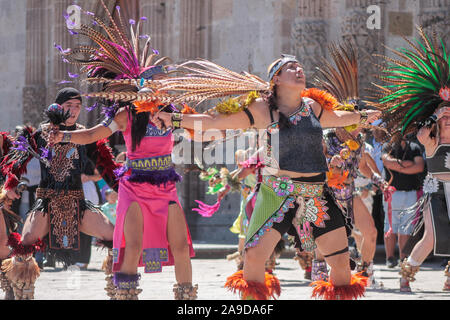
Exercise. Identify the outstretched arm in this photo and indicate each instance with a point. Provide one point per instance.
(336, 119)
(204, 122)
(93, 134)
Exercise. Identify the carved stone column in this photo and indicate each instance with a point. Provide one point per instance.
(434, 16)
(310, 32)
(368, 41)
(35, 89)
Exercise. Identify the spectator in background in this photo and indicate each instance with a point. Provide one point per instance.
(109, 208)
(404, 160)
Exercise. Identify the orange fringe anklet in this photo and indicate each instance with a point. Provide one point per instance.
(328, 291)
(252, 290)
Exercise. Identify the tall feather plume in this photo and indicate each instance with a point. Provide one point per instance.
(412, 83)
(340, 80)
(115, 60)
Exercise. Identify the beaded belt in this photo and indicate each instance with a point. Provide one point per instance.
(157, 163)
(284, 186)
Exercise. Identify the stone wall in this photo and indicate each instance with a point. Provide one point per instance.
(12, 62)
(239, 34)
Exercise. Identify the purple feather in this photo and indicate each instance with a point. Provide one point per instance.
(65, 81)
(110, 111)
(144, 18)
(132, 21)
(21, 144)
(46, 154)
(144, 36)
(72, 32)
(155, 51)
(89, 13)
(94, 106)
(119, 172)
(73, 75)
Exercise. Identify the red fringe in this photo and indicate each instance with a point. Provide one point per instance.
(11, 182)
(247, 289)
(19, 248)
(325, 99)
(105, 158)
(328, 291)
(7, 142)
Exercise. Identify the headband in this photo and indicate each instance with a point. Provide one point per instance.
(286, 58)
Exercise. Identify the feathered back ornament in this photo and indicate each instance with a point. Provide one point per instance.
(340, 80)
(416, 83)
(115, 60)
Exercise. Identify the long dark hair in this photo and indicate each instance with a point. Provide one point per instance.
(139, 122)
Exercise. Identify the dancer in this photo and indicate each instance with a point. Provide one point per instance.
(344, 148)
(416, 94)
(151, 229)
(293, 188)
(346, 154)
(60, 209)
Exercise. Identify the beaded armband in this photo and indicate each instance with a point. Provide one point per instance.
(176, 119)
(66, 137)
(364, 116)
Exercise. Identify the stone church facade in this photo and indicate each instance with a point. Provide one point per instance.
(239, 34)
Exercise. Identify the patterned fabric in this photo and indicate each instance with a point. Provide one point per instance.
(64, 215)
(152, 258)
(158, 163)
(276, 196)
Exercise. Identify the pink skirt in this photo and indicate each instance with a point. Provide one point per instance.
(153, 201)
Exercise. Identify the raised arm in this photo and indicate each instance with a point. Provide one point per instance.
(93, 134)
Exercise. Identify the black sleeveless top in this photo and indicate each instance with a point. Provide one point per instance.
(299, 147)
(439, 162)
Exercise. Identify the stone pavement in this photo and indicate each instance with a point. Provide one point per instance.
(210, 274)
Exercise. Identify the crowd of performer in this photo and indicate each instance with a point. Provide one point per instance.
(309, 173)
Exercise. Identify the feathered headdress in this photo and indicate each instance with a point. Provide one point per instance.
(204, 80)
(415, 84)
(115, 60)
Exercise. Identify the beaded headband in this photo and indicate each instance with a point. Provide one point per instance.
(286, 58)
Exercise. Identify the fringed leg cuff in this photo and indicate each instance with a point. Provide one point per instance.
(327, 291)
(185, 291)
(22, 272)
(107, 268)
(252, 290)
(126, 286)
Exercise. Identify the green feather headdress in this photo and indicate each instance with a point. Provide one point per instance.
(416, 83)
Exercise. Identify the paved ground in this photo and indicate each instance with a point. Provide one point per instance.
(210, 274)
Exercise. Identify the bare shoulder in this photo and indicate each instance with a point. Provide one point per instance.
(314, 105)
(259, 105)
(259, 108)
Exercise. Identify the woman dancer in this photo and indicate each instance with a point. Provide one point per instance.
(151, 229)
(417, 94)
(293, 194)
